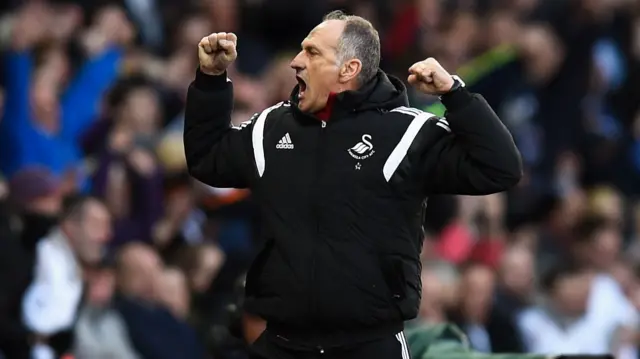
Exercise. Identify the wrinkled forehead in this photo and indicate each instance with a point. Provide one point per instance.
(325, 35)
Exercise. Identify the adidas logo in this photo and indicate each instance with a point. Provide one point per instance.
(285, 143)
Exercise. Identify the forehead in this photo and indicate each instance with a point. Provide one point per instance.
(326, 34)
(96, 209)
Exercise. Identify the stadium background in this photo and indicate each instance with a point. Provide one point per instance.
(98, 77)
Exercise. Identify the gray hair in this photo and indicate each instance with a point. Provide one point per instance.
(359, 40)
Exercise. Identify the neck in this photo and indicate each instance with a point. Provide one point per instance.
(325, 113)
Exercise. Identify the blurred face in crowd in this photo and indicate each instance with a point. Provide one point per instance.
(601, 249)
(140, 272)
(476, 293)
(570, 294)
(142, 110)
(174, 292)
(503, 29)
(605, 248)
(317, 69)
(517, 271)
(192, 29)
(432, 302)
(89, 231)
(429, 12)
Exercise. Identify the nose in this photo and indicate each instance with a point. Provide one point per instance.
(297, 63)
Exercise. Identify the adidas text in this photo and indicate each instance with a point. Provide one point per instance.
(285, 143)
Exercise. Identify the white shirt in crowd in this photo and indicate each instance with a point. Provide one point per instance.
(594, 333)
(51, 302)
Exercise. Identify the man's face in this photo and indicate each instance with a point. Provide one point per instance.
(477, 293)
(571, 293)
(517, 272)
(317, 68)
(141, 273)
(143, 109)
(90, 232)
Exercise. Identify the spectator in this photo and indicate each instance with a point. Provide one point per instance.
(561, 324)
(47, 134)
(487, 328)
(154, 331)
(598, 247)
(516, 281)
(128, 176)
(100, 332)
(50, 304)
(433, 302)
(174, 293)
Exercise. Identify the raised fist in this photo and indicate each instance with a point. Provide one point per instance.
(429, 77)
(216, 52)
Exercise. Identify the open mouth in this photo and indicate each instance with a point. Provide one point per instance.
(302, 86)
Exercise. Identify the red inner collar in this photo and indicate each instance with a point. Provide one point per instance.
(325, 113)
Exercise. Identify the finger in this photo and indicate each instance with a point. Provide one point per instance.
(227, 46)
(213, 42)
(413, 67)
(221, 36)
(427, 76)
(413, 79)
(420, 70)
(205, 45)
(232, 37)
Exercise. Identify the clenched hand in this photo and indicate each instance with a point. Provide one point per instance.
(430, 78)
(216, 52)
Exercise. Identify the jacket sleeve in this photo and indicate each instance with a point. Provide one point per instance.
(478, 157)
(217, 153)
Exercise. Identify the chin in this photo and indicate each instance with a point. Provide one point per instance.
(303, 107)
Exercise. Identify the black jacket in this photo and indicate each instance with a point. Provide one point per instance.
(342, 200)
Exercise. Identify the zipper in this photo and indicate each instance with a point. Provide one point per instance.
(317, 213)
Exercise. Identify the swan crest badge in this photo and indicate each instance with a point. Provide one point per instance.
(363, 149)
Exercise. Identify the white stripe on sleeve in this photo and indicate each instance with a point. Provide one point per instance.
(400, 151)
(258, 136)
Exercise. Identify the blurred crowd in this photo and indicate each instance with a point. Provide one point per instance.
(109, 250)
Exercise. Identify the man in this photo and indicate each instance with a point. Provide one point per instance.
(341, 172)
(50, 304)
(561, 324)
(100, 331)
(154, 331)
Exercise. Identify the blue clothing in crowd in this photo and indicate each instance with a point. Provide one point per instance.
(23, 143)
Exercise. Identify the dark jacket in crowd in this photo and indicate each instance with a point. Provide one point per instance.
(15, 275)
(155, 333)
(342, 199)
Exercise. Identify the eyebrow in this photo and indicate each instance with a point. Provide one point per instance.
(308, 47)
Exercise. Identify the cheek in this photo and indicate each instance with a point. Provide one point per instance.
(324, 72)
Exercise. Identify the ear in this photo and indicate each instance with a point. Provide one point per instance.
(350, 70)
